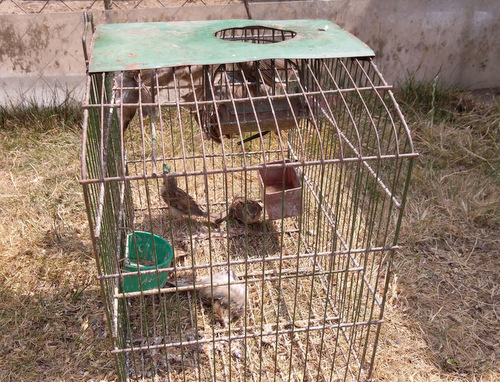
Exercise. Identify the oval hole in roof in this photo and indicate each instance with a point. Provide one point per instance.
(255, 34)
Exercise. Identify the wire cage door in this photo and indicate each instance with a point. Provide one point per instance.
(245, 183)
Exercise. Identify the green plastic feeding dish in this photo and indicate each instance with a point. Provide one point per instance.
(143, 249)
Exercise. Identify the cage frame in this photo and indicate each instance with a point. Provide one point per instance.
(111, 141)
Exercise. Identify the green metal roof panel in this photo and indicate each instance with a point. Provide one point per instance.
(136, 46)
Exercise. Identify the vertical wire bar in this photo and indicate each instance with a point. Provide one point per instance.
(116, 209)
(342, 195)
(204, 166)
(318, 217)
(163, 127)
(359, 235)
(315, 78)
(280, 298)
(301, 223)
(376, 211)
(244, 165)
(185, 169)
(152, 118)
(144, 324)
(393, 187)
(91, 192)
(355, 307)
(213, 97)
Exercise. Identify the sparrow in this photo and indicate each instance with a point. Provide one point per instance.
(228, 304)
(242, 210)
(180, 201)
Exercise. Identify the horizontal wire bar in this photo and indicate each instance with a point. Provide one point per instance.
(252, 168)
(207, 156)
(252, 261)
(237, 100)
(250, 335)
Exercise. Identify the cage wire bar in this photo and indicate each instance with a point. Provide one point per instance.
(291, 117)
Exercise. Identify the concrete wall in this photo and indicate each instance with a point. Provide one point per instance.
(459, 40)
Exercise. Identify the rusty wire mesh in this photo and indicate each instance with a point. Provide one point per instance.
(315, 277)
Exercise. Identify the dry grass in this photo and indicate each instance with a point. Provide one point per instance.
(51, 325)
(442, 322)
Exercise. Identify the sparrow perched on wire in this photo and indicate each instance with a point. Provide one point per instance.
(180, 201)
(228, 303)
(243, 210)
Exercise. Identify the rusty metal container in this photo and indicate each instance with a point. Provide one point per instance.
(281, 191)
(260, 116)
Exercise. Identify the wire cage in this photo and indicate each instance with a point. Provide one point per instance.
(245, 183)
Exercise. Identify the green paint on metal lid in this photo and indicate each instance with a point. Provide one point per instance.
(135, 46)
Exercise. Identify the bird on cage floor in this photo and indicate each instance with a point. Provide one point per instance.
(227, 303)
(243, 210)
(180, 202)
